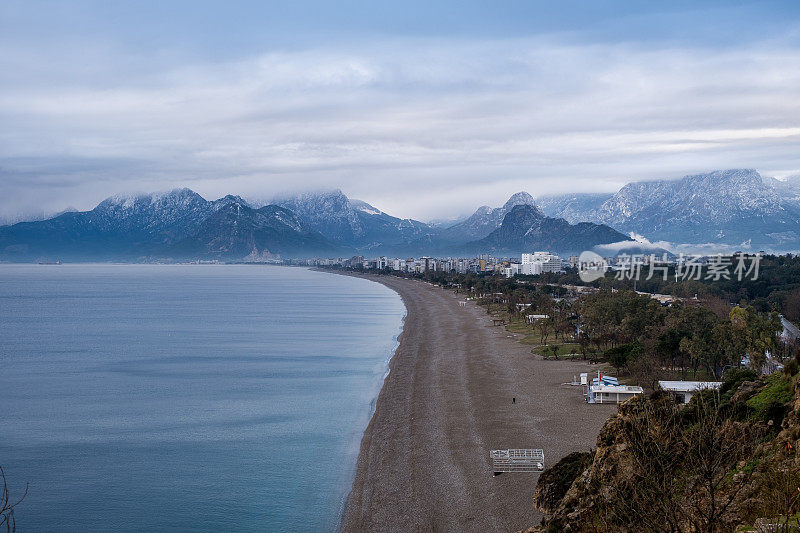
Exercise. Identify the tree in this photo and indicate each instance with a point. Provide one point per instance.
(6, 507)
(756, 333)
(544, 327)
(554, 350)
(782, 494)
(583, 342)
(685, 466)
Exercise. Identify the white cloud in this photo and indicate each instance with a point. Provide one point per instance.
(418, 128)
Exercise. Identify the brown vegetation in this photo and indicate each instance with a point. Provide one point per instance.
(727, 459)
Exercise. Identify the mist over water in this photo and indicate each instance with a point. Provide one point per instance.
(187, 397)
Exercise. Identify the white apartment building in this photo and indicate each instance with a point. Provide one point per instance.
(540, 262)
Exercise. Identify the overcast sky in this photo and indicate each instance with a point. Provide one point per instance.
(422, 111)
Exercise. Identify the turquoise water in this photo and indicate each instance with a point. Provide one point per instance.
(187, 397)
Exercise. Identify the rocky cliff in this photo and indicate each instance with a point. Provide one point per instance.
(727, 461)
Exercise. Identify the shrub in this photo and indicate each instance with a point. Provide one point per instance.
(735, 377)
(770, 402)
(791, 368)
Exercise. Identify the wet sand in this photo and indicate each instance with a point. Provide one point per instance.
(424, 459)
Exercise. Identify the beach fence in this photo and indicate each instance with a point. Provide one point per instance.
(517, 460)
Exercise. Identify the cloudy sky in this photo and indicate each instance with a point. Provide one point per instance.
(424, 111)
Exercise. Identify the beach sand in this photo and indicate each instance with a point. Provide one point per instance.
(424, 459)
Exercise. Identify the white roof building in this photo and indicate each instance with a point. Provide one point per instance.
(606, 389)
(684, 390)
(603, 393)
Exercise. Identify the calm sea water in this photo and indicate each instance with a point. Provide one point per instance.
(187, 398)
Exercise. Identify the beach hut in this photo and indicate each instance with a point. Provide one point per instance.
(612, 393)
(606, 389)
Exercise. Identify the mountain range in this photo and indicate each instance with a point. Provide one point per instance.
(735, 208)
(182, 225)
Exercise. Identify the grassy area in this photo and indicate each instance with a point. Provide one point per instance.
(769, 403)
(518, 326)
(562, 349)
(780, 521)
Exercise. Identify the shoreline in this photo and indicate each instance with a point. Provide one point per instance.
(446, 401)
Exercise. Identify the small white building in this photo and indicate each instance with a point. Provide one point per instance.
(612, 393)
(684, 390)
(533, 318)
(606, 389)
(511, 270)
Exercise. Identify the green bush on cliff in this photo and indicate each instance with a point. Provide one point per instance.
(770, 402)
(735, 377)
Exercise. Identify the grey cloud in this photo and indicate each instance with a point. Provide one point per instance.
(419, 128)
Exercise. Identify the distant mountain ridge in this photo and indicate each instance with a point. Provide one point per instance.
(355, 223)
(179, 224)
(723, 206)
(485, 220)
(526, 228)
(727, 207)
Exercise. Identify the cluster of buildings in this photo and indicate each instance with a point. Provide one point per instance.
(606, 389)
(530, 264)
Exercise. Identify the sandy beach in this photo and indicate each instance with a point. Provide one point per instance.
(424, 459)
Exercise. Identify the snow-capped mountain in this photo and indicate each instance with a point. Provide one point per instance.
(164, 217)
(572, 207)
(355, 223)
(485, 220)
(526, 228)
(733, 207)
(730, 207)
(237, 231)
(178, 224)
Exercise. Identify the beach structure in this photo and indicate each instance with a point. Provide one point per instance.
(517, 460)
(533, 318)
(606, 389)
(684, 390)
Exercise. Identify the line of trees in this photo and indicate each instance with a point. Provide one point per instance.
(633, 331)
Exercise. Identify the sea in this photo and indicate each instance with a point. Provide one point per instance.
(187, 397)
